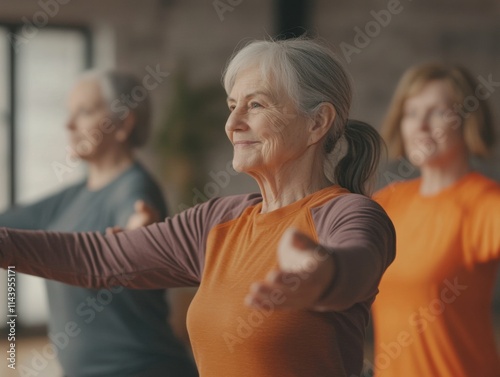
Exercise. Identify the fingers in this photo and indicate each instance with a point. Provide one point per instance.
(142, 206)
(296, 239)
(150, 213)
(304, 272)
(296, 251)
(302, 241)
(261, 293)
(261, 290)
(286, 290)
(139, 205)
(143, 215)
(278, 287)
(113, 230)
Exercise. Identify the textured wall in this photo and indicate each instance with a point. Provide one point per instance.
(188, 33)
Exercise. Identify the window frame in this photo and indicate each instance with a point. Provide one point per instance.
(15, 29)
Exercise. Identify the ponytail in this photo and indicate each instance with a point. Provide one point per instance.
(356, 170)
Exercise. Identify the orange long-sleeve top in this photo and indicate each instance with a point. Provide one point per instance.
(224, 246)
(433, 315)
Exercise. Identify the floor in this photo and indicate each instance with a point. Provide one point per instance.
(35, 359)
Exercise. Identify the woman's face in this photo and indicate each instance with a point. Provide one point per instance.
(90, 123)
(431, 130)
(267, 132)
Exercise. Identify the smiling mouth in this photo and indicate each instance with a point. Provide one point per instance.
(244, 143)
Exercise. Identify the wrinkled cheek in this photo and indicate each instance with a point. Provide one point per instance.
(281, 137)
(269, 152)
(273, 147)
(279, 122)
(280, 128)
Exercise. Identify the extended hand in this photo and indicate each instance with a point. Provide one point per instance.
(143, 215)
(305, 272)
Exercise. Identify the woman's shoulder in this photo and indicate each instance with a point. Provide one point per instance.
(137, 176)
(348, 205)
(480, 190)
(353, 214)
(397, 189)
(480, 182)
(225, 208)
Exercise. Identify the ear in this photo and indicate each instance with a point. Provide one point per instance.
(125, 128)
(322, 121)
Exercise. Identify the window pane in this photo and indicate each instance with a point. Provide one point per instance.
(47, 66)
(4, 162)
(4, 134)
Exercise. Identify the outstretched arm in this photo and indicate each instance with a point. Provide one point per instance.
(33, 216)
(343, 269)
(166, 254)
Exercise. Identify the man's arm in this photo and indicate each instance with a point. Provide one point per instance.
(32, 216)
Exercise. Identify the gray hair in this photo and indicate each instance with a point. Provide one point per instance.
(304, 70)
(310, 74)
(115, 84)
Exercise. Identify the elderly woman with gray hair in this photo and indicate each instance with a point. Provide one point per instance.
(117, 331)
(286, 276)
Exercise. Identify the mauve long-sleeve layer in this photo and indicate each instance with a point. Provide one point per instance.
(223, 246)
(166, 254)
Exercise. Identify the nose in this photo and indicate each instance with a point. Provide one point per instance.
(236, 121)
(423, 122)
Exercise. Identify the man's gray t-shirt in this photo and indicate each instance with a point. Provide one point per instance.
(121, 332)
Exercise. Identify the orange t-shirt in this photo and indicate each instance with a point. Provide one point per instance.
(230, 339)
(432, 316)
(223, 246)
